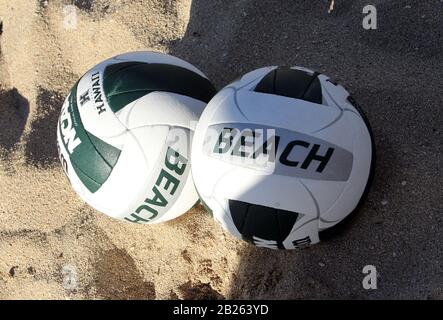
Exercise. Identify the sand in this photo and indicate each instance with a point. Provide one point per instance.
(54, 246)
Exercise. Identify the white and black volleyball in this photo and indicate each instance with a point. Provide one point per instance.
(281, 156)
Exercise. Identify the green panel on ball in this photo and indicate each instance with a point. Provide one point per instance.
(128, 81)
(109, 153)
(92, 158)
(89, 183)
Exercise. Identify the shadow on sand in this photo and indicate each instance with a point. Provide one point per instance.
(41, 147)
(14, 111)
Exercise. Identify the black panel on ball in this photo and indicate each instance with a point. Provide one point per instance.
(292, 83)
(255, 221)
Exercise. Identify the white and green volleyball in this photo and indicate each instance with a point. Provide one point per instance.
(124, 135)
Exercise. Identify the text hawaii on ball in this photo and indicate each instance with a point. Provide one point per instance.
(124, 135)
